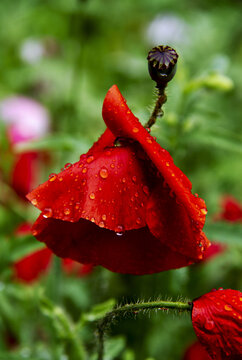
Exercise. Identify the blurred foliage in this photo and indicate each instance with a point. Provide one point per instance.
(88, 45)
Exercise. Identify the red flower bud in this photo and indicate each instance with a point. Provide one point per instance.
(217, 321)
(127, 208)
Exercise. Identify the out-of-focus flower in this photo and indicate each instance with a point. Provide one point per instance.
(73, 267)
(196, 352)
(217, 321)
(25, 120)
(126, 207)
(168, 29)
(35, 264)
(231, 210)
(32, 51)
(214, 249)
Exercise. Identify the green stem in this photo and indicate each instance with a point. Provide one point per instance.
(134, 308)
(158, 107)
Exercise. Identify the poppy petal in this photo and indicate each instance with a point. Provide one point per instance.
(109, 188)
(135, 252)
(169, 222)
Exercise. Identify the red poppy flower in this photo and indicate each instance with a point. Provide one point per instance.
(217, 321)
(231, 210)
(196, 352)
(124, 205)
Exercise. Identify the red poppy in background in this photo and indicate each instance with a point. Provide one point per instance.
(124, 205)
(196, 352)
(217, 321)
(231, 210)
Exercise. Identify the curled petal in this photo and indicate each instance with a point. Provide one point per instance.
(120, 120)
(217, 321)
(135, 252)
(169, 222)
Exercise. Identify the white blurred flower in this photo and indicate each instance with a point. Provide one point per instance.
(25, 118)
(32, 51)
(167, 29)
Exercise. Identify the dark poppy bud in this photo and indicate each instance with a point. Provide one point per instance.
(162, 64)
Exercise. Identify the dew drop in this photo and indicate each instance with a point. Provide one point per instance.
(104, 217)
(204, 211)
(136, 195)
(103, 173)
(209, 325)
(228, 307)
(112, 166)
(146, 190)
(135, 130)
(34, 202)
(84, 170)
(90, 159)
(92, 196)
(149, 140)
(123, 180)
(52, 177)
(61, 178)
(67, 211)
(93, 219)
(47, 213)
(128, 112)
(67, 165)
(84, 182)
(77, 206)
(167, 163)
(81, 165)
(101, 224)
(138, 221)
(119, 230)
(134, 178)
(34, 232)
(172, 174)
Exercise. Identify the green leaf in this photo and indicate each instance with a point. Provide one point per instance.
(99, 311)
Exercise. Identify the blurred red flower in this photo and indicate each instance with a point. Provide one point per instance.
(25, 120)
(217, 321)
(231, 210)
(196, 352)
(32, 266)
(124, 205)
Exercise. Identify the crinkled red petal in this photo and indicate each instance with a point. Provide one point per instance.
(120, 120)
(217, 321)
(110, 188)
(29, 268)
(168, 220)
(135, 252)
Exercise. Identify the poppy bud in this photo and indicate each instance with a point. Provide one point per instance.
(217, 321)
(162, 62)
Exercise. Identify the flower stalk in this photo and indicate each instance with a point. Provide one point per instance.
(126, 309)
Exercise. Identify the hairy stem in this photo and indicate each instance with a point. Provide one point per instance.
(134, 308)
(158, 107)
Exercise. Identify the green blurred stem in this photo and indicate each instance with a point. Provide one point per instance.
(157, 112)
(133, 309)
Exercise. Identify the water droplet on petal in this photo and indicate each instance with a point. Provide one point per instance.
(103, 173)
(136, 195)
(34, 202)
(101, 224)
(167, 163)
(146, 190)
(209, 324)
(84, 170)
(92, 196)
(123, 180)
(93, 219)
(60, 178)
(204, 211)
(77, 206)
(149, 140)
(52, 177)
(67, 211)
(135, 130)
(104, 217)
(47, 213)
(34, 232)
(228, 307)
(67, 165)
(112, 166)
(90, 159)
(81, 165)
(138, 221)
(119, 230)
